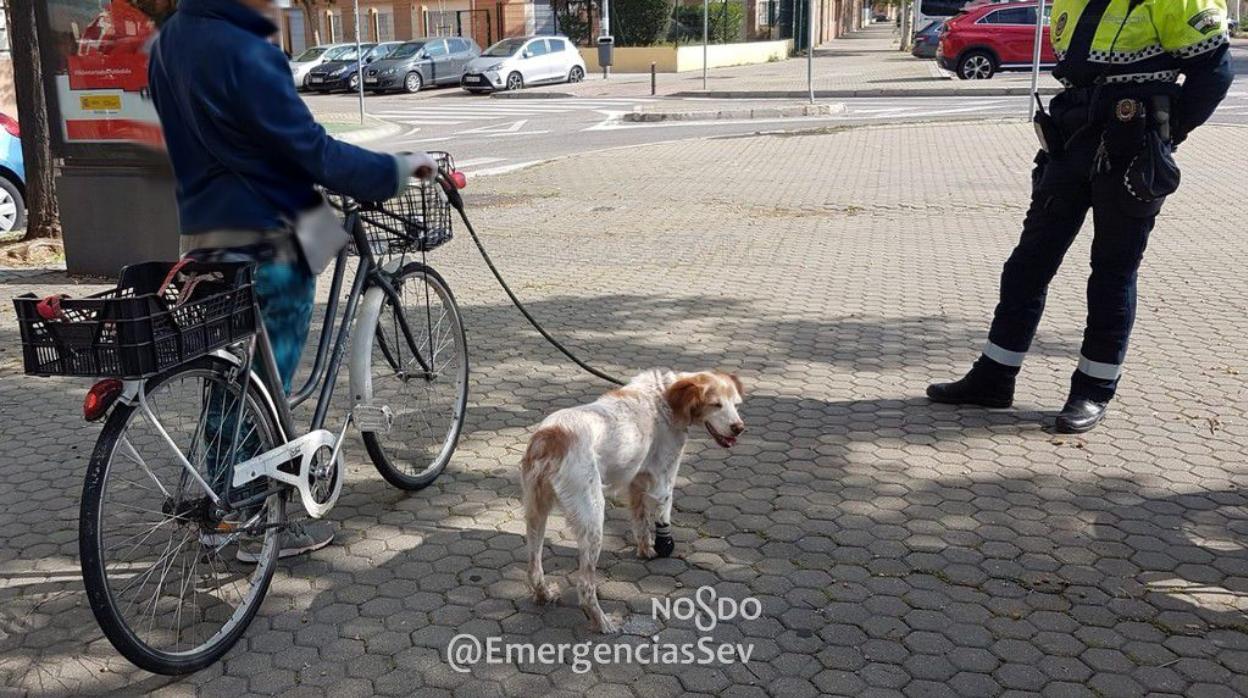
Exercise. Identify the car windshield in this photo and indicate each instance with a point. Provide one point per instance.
(342, 53)
(309, 55)
(504, 48)
(382, 51)
(406, 50)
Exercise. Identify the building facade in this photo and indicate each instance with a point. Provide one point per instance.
(487, 21)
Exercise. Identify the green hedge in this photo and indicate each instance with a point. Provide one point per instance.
(727, 23)
(640, 22)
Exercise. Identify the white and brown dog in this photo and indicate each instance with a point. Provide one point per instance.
(629, 440)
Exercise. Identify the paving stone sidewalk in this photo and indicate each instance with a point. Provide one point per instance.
(897, 548)
(862, 63)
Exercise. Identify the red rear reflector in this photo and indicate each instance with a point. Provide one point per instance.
(460, 179)
(99, 398)
(10, 124)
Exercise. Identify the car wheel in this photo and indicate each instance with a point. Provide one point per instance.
(976, 65)
(12, 207)
(577, 74)
(412, 83)
(353, 83)
(515, 81)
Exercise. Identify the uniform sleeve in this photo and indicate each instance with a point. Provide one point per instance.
(270, 108)
(1190, 28)
(1195, 32)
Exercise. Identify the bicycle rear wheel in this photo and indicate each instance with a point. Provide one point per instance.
(159, 560)
(422, 382)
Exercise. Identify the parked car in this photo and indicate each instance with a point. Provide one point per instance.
(512, 64)
(12, 177)
(985, 39)
(342, 73)
(303, 64)
(926, 39)
(420, 62)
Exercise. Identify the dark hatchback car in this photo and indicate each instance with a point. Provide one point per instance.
(421, 62)
(343, 73)
(927, 39)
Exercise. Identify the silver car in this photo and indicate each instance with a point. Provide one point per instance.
(512, 64)
(303, 64)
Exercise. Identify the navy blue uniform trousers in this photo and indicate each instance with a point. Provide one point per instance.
(1063, 191)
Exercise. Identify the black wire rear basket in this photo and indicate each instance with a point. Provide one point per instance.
(143, 326)
(417, 220)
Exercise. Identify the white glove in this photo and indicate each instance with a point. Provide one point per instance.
(421, 165)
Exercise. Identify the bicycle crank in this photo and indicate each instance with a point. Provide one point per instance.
(317, 477)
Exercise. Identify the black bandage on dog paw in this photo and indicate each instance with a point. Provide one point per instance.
(664, 544)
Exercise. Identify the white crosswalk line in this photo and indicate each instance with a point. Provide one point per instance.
(475, 162)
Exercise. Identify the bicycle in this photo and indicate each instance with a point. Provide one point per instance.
(186, 492)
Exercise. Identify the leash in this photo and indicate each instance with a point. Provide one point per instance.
(456, 200)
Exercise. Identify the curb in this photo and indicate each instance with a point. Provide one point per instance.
(531, 95)
(878, 92)
(384, 129)
(744, 113)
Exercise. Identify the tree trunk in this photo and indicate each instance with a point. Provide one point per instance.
(43, 214)
(311, 18)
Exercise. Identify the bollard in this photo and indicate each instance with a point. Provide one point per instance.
(653, 80)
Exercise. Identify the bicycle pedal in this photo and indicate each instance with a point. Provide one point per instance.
(378, 419)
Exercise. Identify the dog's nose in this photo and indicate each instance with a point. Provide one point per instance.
(737, 429)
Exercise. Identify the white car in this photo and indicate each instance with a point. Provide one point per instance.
(303, 64)
(512, 64)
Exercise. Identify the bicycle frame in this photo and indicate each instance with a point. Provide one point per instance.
(260, 364)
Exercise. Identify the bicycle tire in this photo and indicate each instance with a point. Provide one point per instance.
(91, 538)
(385, 459)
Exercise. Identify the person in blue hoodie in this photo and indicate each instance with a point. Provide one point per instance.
(247, 154)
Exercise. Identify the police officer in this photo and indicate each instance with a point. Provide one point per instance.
(1106, 145)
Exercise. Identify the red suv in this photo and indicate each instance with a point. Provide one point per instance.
(984, 39)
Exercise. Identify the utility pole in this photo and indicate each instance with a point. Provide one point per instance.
(706, 34)
(605, 30)
(359, 60)
(810, 50)
(1035, 59)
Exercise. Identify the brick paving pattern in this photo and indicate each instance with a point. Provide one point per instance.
(898, 548)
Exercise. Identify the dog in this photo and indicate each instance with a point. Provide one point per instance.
(628, 441)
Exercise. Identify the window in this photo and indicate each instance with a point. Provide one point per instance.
(4, 29)
(435, 48)
(459, 46)
(381, 24)
(557, 45)
(537, 48)
(333, 26)
(767, 12)
(504, 48)
(1014, 15)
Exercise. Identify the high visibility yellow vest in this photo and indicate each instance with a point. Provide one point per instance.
(1150, 44)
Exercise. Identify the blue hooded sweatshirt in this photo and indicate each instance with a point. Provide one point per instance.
(245, 149)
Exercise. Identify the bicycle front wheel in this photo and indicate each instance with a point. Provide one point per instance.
(421, 377)
(160, 561)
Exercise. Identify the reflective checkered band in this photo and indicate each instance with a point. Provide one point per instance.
(1157, 76)
(1123, 57)
(1201, 47)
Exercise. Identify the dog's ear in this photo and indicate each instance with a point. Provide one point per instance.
(685, 398)
(736, 382)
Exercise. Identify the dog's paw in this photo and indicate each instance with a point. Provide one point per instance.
(603, 626)
(545, 593)
(645, 550)
(664, 545)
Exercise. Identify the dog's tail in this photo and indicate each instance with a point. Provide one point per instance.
(542, 459)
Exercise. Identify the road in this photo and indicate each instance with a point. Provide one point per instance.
(492, 136)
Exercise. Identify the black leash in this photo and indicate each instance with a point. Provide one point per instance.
(453, 196)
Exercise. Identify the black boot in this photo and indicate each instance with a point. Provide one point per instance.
(1080, 415)
(979, 387)
(664, 544)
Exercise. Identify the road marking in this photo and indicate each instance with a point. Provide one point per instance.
(474, 162)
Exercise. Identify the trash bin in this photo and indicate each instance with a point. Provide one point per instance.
(606, 51)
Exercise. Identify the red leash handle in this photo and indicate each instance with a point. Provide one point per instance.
(50, 307)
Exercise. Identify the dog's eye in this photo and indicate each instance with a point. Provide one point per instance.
(717, 404)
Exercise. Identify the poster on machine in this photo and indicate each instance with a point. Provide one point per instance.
(101, 68)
